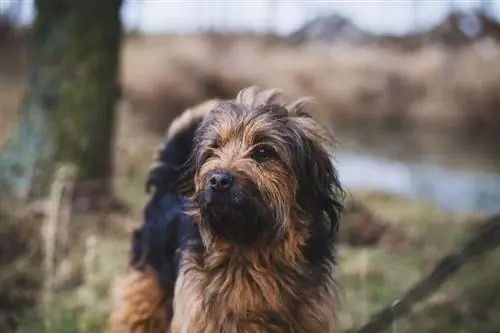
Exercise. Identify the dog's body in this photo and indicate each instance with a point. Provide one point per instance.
(255, 253)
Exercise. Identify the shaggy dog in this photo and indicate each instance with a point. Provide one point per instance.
(239, 232)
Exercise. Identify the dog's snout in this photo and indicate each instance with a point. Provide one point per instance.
(221, 181)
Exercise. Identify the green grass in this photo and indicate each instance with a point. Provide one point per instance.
(82, 302)
(374, 277)
(84, 308)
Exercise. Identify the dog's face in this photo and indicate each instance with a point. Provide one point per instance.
(260, 167)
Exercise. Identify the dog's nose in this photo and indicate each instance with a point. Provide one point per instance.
(221, 181)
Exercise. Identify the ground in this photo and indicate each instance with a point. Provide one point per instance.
(370, 277)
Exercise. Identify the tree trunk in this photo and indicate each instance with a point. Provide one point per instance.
(67, 114)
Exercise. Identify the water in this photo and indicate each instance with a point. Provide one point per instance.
(457, 173)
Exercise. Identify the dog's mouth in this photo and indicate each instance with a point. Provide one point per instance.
(238, 215)
(221, 200)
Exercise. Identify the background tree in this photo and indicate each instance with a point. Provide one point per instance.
(67, 114)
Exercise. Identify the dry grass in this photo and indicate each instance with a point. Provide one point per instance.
(162, 75)
(431, 86)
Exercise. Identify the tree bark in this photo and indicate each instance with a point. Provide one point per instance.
(67, 113)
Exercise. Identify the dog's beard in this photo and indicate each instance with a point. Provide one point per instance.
(239, 216)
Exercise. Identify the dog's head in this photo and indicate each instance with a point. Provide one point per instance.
(261, 169)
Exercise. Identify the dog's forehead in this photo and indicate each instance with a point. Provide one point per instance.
(234, 121)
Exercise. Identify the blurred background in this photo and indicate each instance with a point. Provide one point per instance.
(411, 90)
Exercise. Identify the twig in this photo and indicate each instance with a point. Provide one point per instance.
(49, 236)
(486, 239)
(49, 246)
(90, 257)
(68, 174)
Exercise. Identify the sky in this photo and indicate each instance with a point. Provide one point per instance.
(160, 16)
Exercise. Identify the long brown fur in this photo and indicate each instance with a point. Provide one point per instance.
(141, 305)
(279, 279)
(266, 287)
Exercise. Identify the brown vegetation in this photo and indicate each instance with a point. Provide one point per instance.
(430, 86)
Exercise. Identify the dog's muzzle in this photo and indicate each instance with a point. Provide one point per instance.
(219, 188)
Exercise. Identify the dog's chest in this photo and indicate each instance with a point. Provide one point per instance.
(258, 299)
(236, 299)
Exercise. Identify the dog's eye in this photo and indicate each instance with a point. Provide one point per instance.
(262, 154)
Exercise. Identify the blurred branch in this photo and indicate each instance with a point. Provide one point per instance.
(64, 178)
(486, 239)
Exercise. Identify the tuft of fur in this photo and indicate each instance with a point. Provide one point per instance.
(141, 305)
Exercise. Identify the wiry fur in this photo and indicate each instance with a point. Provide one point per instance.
(261, 255)
(141, 306)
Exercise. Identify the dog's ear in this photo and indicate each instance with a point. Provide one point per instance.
(320, 191)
